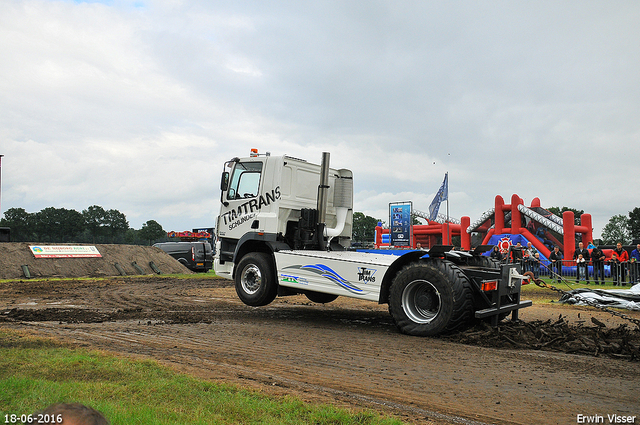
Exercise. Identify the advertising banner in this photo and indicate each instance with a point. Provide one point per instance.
(64, 251)
(400, 224)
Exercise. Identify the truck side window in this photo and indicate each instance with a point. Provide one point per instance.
(245, 180)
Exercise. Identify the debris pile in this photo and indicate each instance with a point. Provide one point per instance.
(628, 299)
(622, 342)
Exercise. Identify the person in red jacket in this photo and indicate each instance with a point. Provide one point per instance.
(623, 258)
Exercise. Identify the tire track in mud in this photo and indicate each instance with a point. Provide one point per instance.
(346, 348)
(149, 296)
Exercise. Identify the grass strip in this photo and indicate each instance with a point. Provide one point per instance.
(37, 372)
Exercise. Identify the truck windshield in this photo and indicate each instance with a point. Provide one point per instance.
(245, 180)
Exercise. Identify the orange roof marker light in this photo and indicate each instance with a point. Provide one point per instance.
(254, 153)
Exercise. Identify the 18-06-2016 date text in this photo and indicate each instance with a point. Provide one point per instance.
(33, 419)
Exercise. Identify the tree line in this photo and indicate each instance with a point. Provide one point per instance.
(622, 228)
(92, 225)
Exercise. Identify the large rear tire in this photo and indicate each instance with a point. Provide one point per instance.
(256, 283)
(430, 297)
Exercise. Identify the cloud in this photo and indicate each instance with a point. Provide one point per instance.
(135, 105)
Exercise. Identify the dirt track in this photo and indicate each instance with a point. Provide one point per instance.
(347, 352)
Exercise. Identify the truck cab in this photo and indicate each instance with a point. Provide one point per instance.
(270, 203)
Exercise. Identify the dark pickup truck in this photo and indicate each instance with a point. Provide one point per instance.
(196, 256)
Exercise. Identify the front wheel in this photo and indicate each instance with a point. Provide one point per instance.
(255, 279)
(428, 298)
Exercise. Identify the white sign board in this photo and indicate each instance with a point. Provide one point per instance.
(64, 251)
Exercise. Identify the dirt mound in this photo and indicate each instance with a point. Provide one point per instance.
(132, 260)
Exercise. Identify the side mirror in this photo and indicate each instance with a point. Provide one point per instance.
(224, 182)
(224, 185)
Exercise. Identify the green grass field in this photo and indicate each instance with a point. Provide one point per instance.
(37, 372)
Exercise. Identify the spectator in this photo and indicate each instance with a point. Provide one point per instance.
(529, 257)
(635, 265)
(556, 262)
(516, 253)
(623, 259)
(535, 264)
(496, 253)
(614, 264)
(74, 414)
(597, 257)
(581, 267)
(582, 251)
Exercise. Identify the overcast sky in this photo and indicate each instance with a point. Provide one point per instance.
(135, 105)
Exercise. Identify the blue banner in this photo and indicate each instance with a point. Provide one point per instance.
(442, 195)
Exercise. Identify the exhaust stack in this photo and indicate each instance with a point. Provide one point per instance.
(323, 190)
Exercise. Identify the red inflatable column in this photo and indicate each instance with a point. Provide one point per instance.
(535, 203)
(378, 236)
(516, 218)
(446, 237)
(569, 240)
(499, 215)
(585, 220)
(465, 238)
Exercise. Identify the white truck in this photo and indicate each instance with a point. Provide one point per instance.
(284, 228)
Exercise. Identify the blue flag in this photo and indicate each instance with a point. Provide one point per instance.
(442, 195)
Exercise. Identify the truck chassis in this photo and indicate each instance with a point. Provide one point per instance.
(426, 295)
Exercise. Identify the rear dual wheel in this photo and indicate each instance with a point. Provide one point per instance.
(430, 297)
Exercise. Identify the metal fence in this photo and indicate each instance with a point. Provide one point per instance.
(623, 274)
